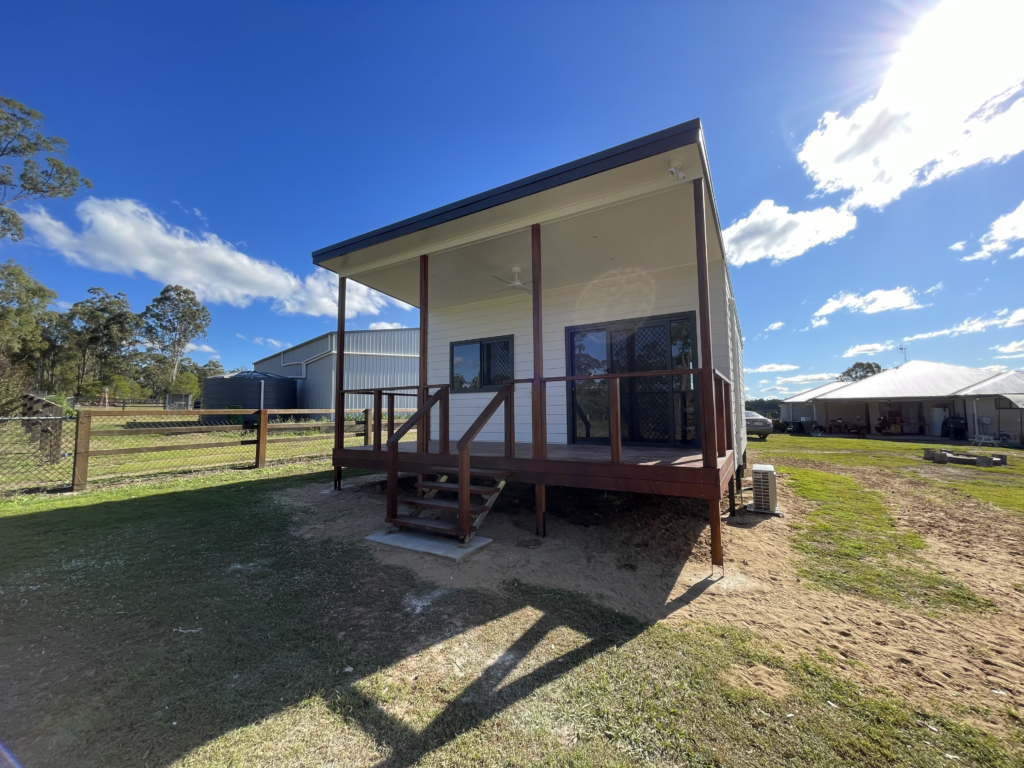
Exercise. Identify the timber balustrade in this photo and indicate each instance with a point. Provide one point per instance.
(719, 389)
(421, 415)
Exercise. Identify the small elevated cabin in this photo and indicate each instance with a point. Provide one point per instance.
(577, 328)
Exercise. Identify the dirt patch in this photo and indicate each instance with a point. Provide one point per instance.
(765, 679)
(636, 560)
(653, 563)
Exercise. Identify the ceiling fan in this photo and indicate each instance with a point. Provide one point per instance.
(515, 284)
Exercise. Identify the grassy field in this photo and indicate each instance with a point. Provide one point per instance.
(852, 544)
(1001, 486)
(181, 623)
(24, 467)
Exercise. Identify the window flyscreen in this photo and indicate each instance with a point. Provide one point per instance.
(481, 364)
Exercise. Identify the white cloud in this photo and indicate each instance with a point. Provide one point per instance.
(199, 348)
(277, 344)
(1004, 230)
(126, 237)
(935, 113)
(240, 336)
(775, 326)
(215, 357)
(950, 100)
(258, 340)
(868, 349)
(817, 322)
(870, 303)
(765, 381)
(1009, 357)
(995, 368)
(771, 368)
(384, 326)
(770, 231)
(958, 246)
(1001, 319)
(807, 377)
(780, 390)
(1013, 346)
(935, 288)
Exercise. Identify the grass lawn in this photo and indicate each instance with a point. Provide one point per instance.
(1001, 486)
(181, 623)
(852, 544)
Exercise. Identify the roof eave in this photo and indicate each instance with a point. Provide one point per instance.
(653, 144)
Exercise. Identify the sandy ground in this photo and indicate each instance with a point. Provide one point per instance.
(654, 563)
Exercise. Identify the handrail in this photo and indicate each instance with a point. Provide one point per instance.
(413, 387)
(485, 416)
(392, 501)
(630, 375)
(503, 395)
(411, 421)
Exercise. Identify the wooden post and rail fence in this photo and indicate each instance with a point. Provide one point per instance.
(264, 425)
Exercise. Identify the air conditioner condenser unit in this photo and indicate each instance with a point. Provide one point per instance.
(766, 496)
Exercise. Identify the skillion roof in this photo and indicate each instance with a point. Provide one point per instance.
(912, 380)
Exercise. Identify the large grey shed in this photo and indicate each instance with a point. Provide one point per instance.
(384, 358)
(248, 390)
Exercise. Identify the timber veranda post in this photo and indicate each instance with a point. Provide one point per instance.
(423, 429)
(709, 426)
(538, 400)
(339, 379)
(423, 392)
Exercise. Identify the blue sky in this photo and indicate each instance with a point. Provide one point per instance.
(851, 146)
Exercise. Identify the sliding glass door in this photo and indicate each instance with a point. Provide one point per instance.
(655, 409)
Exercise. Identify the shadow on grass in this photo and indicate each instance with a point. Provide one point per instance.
(141, 624)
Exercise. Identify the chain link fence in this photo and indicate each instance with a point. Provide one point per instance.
(43, 453)
(36, 452)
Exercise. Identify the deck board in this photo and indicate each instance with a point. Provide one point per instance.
(651, 456)
(664, 470)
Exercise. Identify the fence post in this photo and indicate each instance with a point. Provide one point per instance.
(261, 440)
(367, 424)
(80, 473)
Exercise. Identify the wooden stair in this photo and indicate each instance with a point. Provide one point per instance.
(446, 482)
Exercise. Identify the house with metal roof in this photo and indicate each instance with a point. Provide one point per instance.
(918, 398)
(577, 327)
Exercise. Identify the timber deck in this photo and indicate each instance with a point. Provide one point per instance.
(663, 470)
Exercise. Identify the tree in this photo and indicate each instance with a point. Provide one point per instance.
(106, 332)
(211, 368)
(24, 302)
(172, 321)
(186, 383)
(13, 384)
(22, 140)
(859, 371)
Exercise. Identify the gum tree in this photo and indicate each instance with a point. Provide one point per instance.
(31, 167)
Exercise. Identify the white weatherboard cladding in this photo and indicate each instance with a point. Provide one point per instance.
(626, 296)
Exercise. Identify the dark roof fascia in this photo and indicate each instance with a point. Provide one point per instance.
(677, 136)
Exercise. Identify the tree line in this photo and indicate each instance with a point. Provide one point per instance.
(98, 343)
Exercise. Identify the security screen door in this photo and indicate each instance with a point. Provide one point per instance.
(654, 409)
